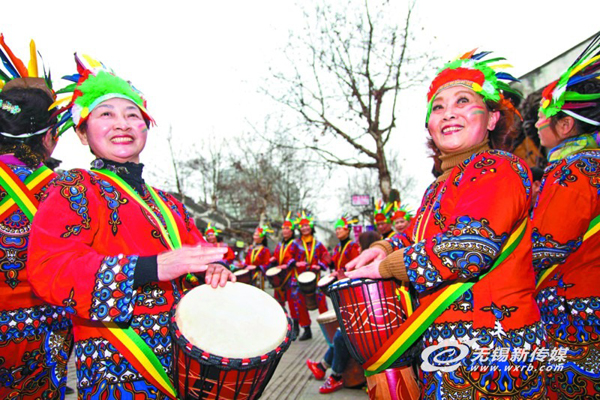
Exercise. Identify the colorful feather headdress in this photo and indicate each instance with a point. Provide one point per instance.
(92, 84)
(345, 221)
(14, 74)
(263, 230)
(399, 211)
(558, 95)
(289, 221)
(382, 211)
(305, 219)
(479, 75)
(211, 230)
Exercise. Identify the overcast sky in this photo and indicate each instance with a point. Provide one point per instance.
(200, 63)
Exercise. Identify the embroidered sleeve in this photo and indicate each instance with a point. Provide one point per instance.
(64, 268)
(490, 200)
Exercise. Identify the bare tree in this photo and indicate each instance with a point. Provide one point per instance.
(347, 69)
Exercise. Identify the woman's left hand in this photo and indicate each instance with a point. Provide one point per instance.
(368, 271)
(218, 275)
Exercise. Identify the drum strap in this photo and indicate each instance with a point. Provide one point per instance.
(126, 340)
(21, 194)
(287, 277)
(431, 308)
(140, 355)
(593, 228)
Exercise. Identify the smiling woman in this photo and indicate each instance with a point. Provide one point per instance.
(115, 252)
(469, 263)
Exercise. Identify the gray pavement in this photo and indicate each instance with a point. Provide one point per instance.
(292, 379)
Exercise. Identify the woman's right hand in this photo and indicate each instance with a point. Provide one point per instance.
(187, 259)
(366, 257)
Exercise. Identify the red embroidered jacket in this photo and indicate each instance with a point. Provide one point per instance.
(85, 243)
(568, 201)
(350, 252)
(259, 256)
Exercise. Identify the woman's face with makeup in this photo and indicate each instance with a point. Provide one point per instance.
(460, 119)
(115, 130)
(548, 136)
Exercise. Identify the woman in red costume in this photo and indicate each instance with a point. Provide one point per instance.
(284, 258)
(35, 337)
(402, 220)
(566, 248)
(211, 235)
(258, 255)
(111, 249)
(471, 245)
(347, 249)
(311, 255)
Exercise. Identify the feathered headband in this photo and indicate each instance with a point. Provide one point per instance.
(93, 84)
(289, 221)
(399, 211)
(305, 219)
(558, 96)
(211, 230)
(14, 74)
(345, 222)
(479, 75)
(382, 211)
(263, 230)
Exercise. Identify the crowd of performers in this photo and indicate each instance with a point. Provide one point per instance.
(505, 301)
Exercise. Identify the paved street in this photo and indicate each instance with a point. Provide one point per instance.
(292, 380)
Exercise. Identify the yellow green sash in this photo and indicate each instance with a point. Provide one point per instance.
(21, 194)
(593, 228)
(429, 310)
(126, 340)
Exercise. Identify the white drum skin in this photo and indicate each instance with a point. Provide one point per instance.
(235, 321)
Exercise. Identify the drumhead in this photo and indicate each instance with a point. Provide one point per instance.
(240, 272)
(326, 280)
(273, 271)
(307, 277)
(326, 317)
(235, 321)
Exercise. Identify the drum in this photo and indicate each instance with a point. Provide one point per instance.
(227, 342)
(394, 384)
(307, 282)
(276, 276)
(329, 324)
(243, 276)
(324, 282)
(370, 311)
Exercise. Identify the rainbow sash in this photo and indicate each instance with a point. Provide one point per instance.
(593, 228)
(431, 308)
(21, 194)
(126, 340)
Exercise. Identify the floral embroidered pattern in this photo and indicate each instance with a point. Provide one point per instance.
(112, 298)
(72, 188)
(151, 296)
(114, 199)
(547, 251)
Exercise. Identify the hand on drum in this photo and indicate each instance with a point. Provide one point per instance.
(218, 275)
(366, 257)
(172, 264)
(283, 266)
(301, 264)
(368, 271)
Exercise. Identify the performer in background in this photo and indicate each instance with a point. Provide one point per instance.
(258, 254)
(211, 235)
(472, 232)
(566, 247)
(284, 257)
(111, 249)
(347, 249)
(402, 220)
(382, 214)
(311, 255)
(35, 337)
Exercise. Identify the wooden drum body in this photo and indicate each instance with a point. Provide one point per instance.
(227, 342)
(307, 282)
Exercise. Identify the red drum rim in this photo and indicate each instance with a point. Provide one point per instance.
(225, 363)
